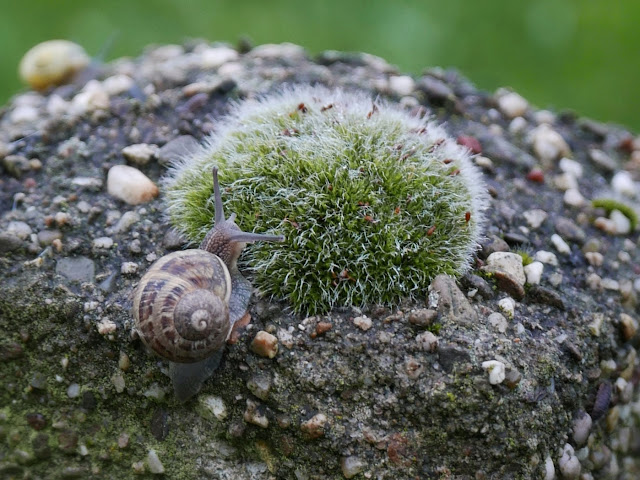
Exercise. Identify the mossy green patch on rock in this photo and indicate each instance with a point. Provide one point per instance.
(373, 202)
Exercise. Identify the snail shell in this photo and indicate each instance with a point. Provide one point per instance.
(181, 306)
(52, 63)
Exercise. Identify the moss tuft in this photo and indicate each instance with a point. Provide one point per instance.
(373, 202)
(610, 204)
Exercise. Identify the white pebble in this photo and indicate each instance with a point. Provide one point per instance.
(102, 243)
(623, 183)
(517, 125)
(610, 284)
(535, 217)
(511, 103)
(130, 185)
(89, 182)
(573, 198)
(569, 464)
(533, 271)
(155, 465)
(24, 114)
(570, 167)
(508, 262)
(351, 466)
(57, 106)
(129, 268)
(496, 371)
(560, 244)
(601, 158)
(565, 182)
(20, 229)
(73, 391)
(483, 162)
(401, 84)
(140, 153)
(621, 222)
(214, 405)
(215, 56)
(498, 322)
(546, 257)
(544, 116)
(92, 97)
(595, 259)
(117, 84)
(106, 326)
(548, 144)
(549, 469)
(363, 322)
(508, 306)
(581, 428)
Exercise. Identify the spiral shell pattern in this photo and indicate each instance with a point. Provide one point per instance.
(181, 306)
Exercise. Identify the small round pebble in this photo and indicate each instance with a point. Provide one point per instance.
(401, 84)
(498, 322)
(511, 104)
(569, 464)
(621, 223)
(427, 341)
(130, 185)
(595, 259)
(622, 182)
(508, 262)
(265, 345)
(581, 428)
(548, 145)
(352, 466)
(571, 167)
(140, 153)
(546, 257)
(73, 391)
(535, 217)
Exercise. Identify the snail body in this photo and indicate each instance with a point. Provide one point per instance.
(187, 302)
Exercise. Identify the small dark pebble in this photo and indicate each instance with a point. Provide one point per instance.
(9, 242)
(569, 230)
(449, 356)
(192, 105)
(471, 281)
(159, 424)
(36, 421)
(38, 381)
(109, 284)
(603, 398)
(512, 378)
(89, 401)
(573, 351)
(10, 351)
(177, 149)
(513, 238)
(545, 296)
(435, 89)
(491, 245)
(68, 441)
(236, 429)
(40, 446)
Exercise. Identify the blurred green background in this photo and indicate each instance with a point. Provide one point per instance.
(581, 55)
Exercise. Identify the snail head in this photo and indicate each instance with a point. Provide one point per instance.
(225, 239)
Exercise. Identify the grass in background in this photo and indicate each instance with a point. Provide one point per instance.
(560, 54)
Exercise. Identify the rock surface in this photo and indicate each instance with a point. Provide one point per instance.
(382, 393)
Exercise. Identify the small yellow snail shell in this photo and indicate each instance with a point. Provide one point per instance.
(52, 63)
(181, 306)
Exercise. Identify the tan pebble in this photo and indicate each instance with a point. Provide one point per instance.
(140, 153)
(254, 414)
(52, 63)
(57, 245)
(314, 427)
(130, 185)
(595, 259)
(106, 326)
(628, 326)
(264, 344)
(123, 362)
(321, 328)
(123, 440)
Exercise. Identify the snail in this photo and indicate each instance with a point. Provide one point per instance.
(187, 302)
